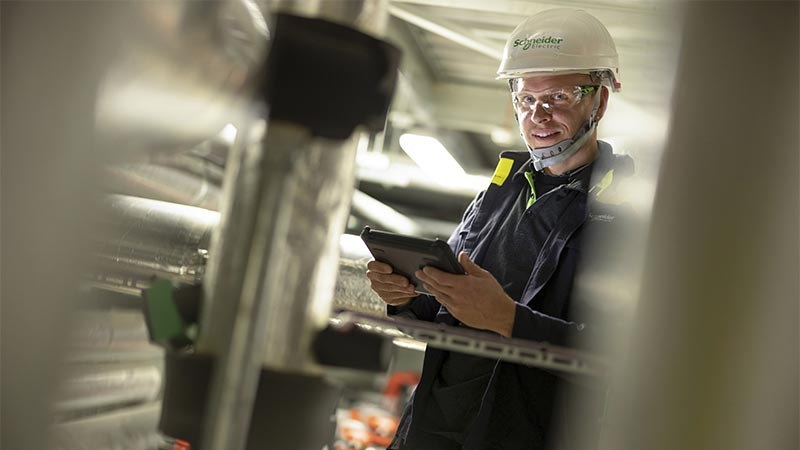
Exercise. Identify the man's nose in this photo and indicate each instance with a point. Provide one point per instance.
(540, 115)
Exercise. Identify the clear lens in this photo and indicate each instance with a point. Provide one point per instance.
(561, 98)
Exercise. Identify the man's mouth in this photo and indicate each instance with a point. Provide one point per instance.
(544, 134)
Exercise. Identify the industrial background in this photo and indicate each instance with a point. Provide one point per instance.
(183, 184)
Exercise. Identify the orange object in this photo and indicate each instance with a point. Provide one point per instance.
(181, 445)
(382, 424)
(355, 432)
(398, 380)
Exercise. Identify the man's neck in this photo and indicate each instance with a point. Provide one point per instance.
(585, 155)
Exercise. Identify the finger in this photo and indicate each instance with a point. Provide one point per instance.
(433, 275)
(388, 279)
(391, 281)
(442, 293)
(441, 297)
(394, 291)
(445, 300)
(394, 299)
(469, 266)
(377, 266)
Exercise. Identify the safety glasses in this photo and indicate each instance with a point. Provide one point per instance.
(557, 99)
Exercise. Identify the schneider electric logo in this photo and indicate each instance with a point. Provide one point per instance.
(539, 42)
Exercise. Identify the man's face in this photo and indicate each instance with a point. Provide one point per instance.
(544, 125)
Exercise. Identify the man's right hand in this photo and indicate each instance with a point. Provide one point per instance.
(392, 288)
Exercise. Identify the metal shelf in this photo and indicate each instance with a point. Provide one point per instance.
(478, 343)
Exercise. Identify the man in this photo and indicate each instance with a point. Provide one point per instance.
(519, 245)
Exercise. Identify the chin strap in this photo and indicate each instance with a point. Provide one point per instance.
(549, 156)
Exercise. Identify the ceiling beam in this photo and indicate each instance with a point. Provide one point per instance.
(452, 31)
(528, 7)
(471, 108)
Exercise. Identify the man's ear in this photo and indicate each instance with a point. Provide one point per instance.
(511, 87)
(601, 108)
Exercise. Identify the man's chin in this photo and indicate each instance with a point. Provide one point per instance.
(550, 143)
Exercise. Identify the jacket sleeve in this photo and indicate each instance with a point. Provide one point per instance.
(456, 239)
(594, 309)
(535, 326)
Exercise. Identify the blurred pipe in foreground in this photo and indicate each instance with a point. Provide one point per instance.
(103, 386)
(182, 73)
(131, 428)
(288, 185)
(713, 362)
(369, 16)
(110, 335)
(83, 82)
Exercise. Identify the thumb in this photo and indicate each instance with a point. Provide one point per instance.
(469, 266)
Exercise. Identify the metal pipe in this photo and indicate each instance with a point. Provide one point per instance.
(272, 276)
(450, 31)
(273, 260)
(369, 16)
(205, 162)
(382, 215)
(146, 238)
(132, 428)
(139, 238)
(102, 329)
(117, 335)
(87, 387)
(353, 292)
(162, 183)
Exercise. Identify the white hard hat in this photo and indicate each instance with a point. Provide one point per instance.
(560, 40)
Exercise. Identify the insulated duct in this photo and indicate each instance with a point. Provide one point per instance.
(112, 379)
(131, 428)
(289, 180)
(143, 238)
(277, 209)
(162, 183)
(140, 238)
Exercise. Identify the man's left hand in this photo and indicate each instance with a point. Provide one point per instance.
(476, 298)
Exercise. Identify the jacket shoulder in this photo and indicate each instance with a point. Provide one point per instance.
(611, 176)
(608, 160)
(508, 164)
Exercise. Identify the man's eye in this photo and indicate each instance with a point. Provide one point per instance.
(560, 98)
(526, 99)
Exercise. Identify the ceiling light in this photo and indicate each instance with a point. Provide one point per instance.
(501, 136)
(228, 134)
(372, 161)
(431, 156)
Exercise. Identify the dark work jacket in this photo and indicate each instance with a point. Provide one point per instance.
(519, 402)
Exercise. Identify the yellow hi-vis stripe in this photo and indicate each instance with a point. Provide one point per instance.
(502, 170)
(608, 178)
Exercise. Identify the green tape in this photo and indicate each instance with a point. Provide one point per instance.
(163, 319)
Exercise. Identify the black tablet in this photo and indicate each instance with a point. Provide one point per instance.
(407, 254)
